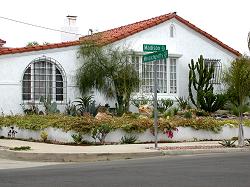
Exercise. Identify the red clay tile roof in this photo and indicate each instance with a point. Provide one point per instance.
(122, 32)
(38, 48)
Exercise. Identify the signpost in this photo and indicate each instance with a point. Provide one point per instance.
(159, 52)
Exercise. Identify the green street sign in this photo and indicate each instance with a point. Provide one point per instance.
(153, 48)
(155, 56)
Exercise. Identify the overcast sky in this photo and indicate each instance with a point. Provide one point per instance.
(227, 20)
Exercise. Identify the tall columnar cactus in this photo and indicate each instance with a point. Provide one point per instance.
(200, 75)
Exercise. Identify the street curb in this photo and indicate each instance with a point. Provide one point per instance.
(204, 151)
(92, 157)
(74, 157)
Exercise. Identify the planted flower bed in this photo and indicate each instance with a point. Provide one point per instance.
(61, 128)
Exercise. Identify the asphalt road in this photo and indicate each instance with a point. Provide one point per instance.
(229, 170)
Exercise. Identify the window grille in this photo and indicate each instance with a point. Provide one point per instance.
(44, 77)
(216, 77)
(173, 81)
(166, 75)
(147, 84)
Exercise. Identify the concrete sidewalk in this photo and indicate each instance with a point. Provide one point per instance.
(67, 153)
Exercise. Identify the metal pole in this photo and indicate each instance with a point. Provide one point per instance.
(155, 104)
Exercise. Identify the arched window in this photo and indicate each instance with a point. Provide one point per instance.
(44, 77)
(172, 31)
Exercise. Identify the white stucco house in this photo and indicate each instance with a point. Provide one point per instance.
(28, 73)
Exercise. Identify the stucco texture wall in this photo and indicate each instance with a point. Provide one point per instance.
(185, 45)
(12, 68)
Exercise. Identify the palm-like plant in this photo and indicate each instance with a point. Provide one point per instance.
(108, 70)
(237, 79)
(83, 103)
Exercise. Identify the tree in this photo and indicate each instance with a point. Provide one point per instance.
(237, 80)
(108, 70)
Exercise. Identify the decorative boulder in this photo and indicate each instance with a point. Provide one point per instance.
(145, 110)
(102, 116)
(103, 113)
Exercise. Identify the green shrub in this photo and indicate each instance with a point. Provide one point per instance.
(77, 138)
(44, 136)
(188, 114)
(207, 123)
(236, 110)
(128, 139)
(21, 148)
(100, 132)
(201, 113)
(170, 113)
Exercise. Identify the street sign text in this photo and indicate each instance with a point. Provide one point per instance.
(155, 56)
(153, 48)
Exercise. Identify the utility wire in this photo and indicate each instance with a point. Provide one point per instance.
(33, 25)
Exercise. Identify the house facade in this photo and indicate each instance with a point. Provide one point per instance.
(28, 73)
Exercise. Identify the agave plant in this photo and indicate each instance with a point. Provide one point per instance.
(227, 143)
(128, 139)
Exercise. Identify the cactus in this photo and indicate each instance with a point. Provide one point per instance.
(50, 108)
(200, 75)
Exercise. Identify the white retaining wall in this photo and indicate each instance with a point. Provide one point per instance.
(183, 134)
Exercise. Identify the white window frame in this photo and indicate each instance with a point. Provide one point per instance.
(168, 93)
(55, 65)
(173, 89)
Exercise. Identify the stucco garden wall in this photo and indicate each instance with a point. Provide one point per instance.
(183, 134)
